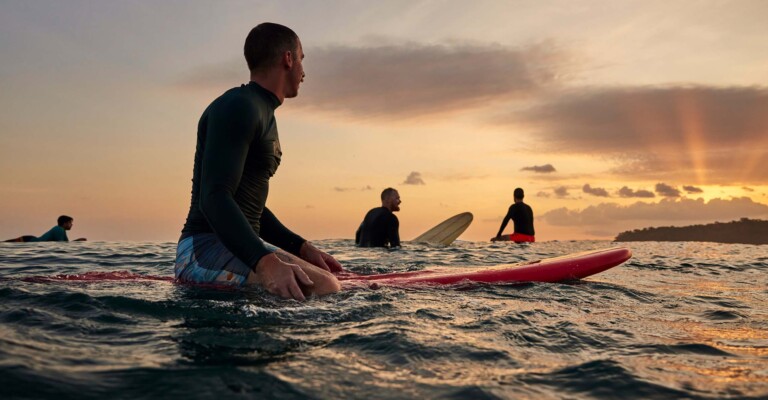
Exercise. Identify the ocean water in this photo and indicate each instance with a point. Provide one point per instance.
(679, 320)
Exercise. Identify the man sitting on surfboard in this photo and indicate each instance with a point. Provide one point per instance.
(380, 227)
(521, 215)
(56, 234)
(224, 239)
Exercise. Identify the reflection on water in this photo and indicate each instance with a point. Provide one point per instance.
(679, 320)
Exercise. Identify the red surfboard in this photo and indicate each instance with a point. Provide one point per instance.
(559, 269)
(566, 268)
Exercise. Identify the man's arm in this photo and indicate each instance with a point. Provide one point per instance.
(60, 235)
(273, 231)
(230, 131)
(394, 232)
(505, 222)
(358, 233)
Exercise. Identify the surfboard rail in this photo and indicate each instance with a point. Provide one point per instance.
(558, 269)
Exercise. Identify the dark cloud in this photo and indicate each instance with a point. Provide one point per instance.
(662, 189)
(414, 178)
(713, 134)
(544, 169)
(543, 194)
(627, 192)
(692, 189)
(748, 189)
(413, 79)
(599, 192)
(561, 191)
(409, 79)
(669, 209)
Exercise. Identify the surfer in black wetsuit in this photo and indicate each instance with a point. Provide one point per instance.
(380, 227)
(521, 215)
(226, 238)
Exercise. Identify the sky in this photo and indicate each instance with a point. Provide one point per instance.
(611, 116)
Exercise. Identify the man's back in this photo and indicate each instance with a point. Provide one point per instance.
(55, 234)
(380, 228)
(522, 217)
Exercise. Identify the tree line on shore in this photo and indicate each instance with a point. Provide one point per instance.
(747, 231)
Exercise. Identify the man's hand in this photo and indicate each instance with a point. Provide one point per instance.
(313, 255)
(281, 278)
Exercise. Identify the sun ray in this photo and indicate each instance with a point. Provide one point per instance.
(692, 131)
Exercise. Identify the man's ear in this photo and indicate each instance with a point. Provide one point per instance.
(288, 59)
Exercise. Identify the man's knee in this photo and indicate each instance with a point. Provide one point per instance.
(324, 282)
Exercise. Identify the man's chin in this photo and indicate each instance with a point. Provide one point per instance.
(293, 94)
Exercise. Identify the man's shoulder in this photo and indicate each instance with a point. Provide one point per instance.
(239, 104)
(235, 97)
(373, 211)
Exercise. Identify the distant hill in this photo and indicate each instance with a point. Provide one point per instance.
(747, 231)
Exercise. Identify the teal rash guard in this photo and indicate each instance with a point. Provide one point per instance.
(238, 150)
(55, 234)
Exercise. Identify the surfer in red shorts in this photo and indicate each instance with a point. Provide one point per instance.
(521, 215)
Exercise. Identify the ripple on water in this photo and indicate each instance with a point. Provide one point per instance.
(602, 379)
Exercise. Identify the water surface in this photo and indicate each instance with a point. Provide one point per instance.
(679, 320)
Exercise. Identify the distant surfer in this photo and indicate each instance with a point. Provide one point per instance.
(521, 215)
(226, 234)
(56, 234)
(380, 227)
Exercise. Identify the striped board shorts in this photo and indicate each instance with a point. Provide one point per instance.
(202, 258)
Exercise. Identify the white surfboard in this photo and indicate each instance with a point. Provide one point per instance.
(447, 231)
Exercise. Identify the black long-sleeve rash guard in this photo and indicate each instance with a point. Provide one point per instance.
(380, 228)
(238, 150)
(521, 215)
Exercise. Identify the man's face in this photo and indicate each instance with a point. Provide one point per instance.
(296, 75)
(68, 225)
(393, 202)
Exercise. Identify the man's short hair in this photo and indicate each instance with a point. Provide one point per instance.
(266, 43)
(518, 193)
(63, 220)
(387, 192)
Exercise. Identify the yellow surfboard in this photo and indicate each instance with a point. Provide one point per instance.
(447, 231)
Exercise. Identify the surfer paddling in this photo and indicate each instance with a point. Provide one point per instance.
(521, 215)
(56, 234)
(230, 236)
(380, 227)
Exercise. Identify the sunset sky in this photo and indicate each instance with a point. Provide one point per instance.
(612, 115)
